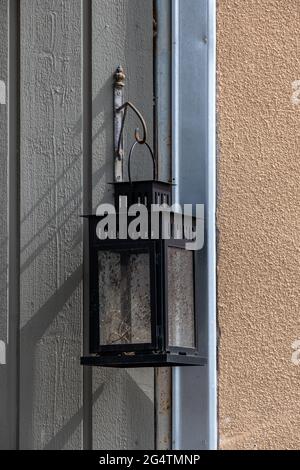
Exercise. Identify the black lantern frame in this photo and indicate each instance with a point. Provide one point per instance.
(157, 352)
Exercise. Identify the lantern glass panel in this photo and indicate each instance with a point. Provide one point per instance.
(124, 297)
(181, 309)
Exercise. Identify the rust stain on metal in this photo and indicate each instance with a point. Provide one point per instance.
(163, 408)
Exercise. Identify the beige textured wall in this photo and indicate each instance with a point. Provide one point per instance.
(258, 219)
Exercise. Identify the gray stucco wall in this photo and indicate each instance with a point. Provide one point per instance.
(65, 166)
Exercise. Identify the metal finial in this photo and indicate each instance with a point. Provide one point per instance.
(120, 77)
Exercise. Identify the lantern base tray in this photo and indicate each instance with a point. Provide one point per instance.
(143, 360)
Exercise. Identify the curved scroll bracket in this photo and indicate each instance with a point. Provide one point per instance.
(140, 140)
(120, 114)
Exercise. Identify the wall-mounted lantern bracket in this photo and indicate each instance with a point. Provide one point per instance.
(120, 114)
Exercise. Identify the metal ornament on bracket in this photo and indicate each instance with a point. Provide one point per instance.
(120, 114)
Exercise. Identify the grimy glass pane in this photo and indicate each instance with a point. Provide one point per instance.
(181, 314)
(124, 298)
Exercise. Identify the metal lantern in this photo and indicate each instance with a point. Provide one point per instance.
(143, 302)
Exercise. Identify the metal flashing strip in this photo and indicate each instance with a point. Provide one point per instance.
(194, 172)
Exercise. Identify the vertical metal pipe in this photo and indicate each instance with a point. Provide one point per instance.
(176, 409)
(162, 94)
(175, 99)
(163, 88)
(163, 408)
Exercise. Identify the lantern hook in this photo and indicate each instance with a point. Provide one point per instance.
(130, 155)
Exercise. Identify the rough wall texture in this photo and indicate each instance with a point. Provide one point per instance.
(50, 227)
(122, 408)
(258, 219)
(46, 400)
(3, 227)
